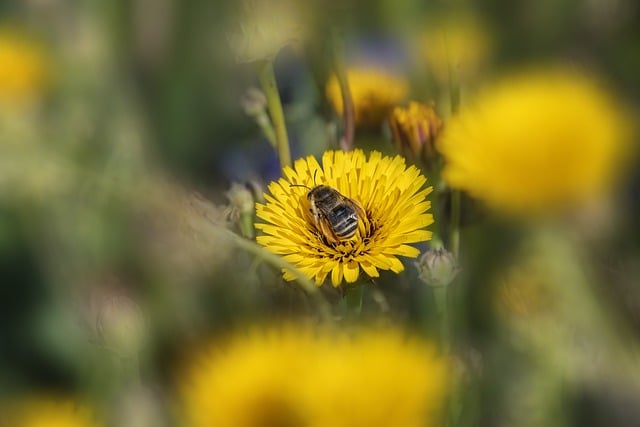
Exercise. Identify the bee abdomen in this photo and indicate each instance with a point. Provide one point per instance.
(344, 221)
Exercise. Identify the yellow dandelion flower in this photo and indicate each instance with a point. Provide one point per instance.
(395, 215)
(375, 378)
(536, 142)
(374, 92)
(46, 412)
(23, 68)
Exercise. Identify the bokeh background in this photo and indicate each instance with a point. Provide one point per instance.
(123, 128)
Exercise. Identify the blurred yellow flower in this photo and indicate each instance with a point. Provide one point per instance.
(46, 412)
(459, 44)
(264, 27)
(391, 195)
(380, 378)
(415, 130)
(536, 142)
(298, 376)
(375, 92)
(23, 68)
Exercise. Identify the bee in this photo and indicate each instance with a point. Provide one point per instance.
(334, 215)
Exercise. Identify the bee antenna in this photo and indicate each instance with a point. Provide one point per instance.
(299, 185)
(314, 176)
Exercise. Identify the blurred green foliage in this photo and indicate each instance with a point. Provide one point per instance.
(97, 200)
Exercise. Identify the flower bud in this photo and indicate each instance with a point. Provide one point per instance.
(254, 102)
(437, 267)
(257, 189)
(122, 326)
(415, 130)
(242, 208)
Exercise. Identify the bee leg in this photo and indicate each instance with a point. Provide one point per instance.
(327, 232)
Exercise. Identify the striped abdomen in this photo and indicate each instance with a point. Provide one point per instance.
(343, 220)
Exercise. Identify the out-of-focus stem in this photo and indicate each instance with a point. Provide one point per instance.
(454, 243)
(354, 298)
(307, 285)
(455, 223)
(130, 369)
(455, 401)
(454, 87)
(349, 113)
(267, 129)
(267, 78)
(441, 297)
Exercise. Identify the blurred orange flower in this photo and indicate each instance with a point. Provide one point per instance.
(415, 130)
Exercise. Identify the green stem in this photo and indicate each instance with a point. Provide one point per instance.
(436, 180)
(307, 285)
(267, 78)
(267, 128)
(441, 296)
(129, 369)
(443, 310)
(348, 115)
(454, 91)
(454, 244)
(354, 298)
(455, 95)
(454, 84)
(436, 242)
(246, 225)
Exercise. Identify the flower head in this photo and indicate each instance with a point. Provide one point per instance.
(394, 215)
(415, 129)
(374, 93)
(437, 267)
(122, 326)
(375, 378)
(23, 68)
(535, 142)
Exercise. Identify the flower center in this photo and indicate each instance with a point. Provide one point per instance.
(345, 250)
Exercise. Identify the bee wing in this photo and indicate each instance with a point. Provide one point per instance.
(356, 206)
